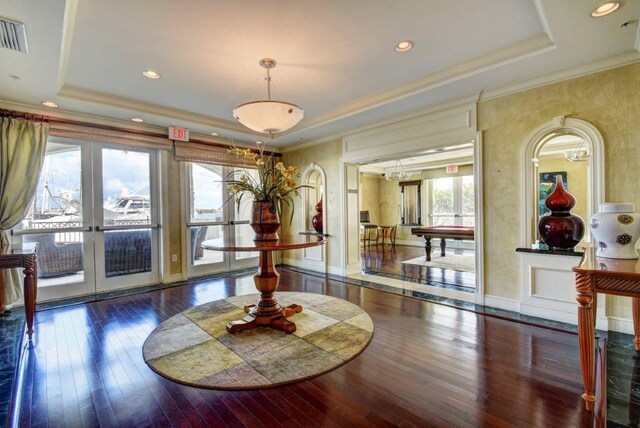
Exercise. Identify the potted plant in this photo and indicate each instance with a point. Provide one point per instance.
(274, 185)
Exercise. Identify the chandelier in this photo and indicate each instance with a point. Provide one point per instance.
(579, 154)
(268, 116)
(397, 173)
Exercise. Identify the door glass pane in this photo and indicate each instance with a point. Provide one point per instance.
(58, 205)
(207, 193)
(468, 206)
(468, 198)
(125, 187)
(442, 202)
(58, 200)
(127, 252)
(241, 231)
(242, 212)
(200, 256)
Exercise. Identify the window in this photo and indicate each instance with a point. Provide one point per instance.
(451, 201)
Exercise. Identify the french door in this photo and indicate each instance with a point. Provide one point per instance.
(451, 201)
(212, 214)
(94, 219)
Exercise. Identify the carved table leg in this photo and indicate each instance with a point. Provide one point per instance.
(636, 322)
(29, 292)
(268, 312)
(427, 247)
(586, 338)
(443, 246)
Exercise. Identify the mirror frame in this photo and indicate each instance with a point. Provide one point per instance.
(557, 126)
(402, 185)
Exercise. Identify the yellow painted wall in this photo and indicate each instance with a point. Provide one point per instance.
(370, 197)
(610, 100)
(174, 222)
(327, 155)
(389, 209)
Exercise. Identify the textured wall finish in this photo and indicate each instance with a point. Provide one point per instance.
(327, 155)
(370, 197)
(610, 100)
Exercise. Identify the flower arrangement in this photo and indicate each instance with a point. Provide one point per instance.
(274, 182)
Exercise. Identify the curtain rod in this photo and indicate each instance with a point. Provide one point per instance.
(51, 119)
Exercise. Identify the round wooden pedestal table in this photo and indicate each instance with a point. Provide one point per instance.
(267, 312)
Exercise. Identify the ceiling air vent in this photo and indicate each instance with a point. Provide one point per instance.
(13, 35)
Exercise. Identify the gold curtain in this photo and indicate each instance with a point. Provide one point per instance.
(22, 149)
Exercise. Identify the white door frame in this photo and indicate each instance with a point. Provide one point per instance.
(228, 263)
(479, 206)
(133, 280)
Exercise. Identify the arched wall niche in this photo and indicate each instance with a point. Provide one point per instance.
(315, 176)
(534, 143)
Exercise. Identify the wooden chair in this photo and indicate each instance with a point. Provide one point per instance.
(366, 228)
(388, 232)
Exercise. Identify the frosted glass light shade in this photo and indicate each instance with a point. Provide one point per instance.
(268, 117)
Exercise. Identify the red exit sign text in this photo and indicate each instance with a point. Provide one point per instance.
(178, 134)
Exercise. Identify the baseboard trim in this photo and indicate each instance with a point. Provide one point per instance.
(622, 325)
(502, 303)
(303, 265)
(176, 277)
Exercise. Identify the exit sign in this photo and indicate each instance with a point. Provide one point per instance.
(178, 134)
(452, 169)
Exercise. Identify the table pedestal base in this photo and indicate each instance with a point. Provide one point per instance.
(277, 320)
(268, 312)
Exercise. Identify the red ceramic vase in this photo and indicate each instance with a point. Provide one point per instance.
(316, 220)
(560, 229)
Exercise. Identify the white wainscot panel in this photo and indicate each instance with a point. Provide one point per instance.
(548, 289)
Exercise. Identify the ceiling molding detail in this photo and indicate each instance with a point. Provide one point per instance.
(102, 98)
(70, 10)
(532, 46)
(569, 73)
(119, 123)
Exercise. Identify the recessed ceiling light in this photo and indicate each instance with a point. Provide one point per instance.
(49, 104)
(403, 46)
(605, 9)
(215, 134)
(137, 119)
(151, 74)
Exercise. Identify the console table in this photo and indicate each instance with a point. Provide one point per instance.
(599, 275)
(22, 256)
(267, 312)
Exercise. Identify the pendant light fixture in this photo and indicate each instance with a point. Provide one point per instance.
(268, 116)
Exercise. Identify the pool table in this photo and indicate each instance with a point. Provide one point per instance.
(462, 233)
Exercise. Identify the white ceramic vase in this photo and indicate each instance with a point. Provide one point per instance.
(616, 229)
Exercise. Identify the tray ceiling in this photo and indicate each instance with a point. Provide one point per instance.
(335, 58)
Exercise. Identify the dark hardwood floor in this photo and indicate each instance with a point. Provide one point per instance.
(387, 260)
(428, 365)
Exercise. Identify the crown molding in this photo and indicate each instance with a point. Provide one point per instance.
(531, 46)
(118, 123)
(87, 95)
(615, 61)
(68, 25)
(311, 143)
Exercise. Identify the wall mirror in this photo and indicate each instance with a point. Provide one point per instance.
(573, 149)
(411, 203)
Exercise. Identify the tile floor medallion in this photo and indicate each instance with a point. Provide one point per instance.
(195, 349)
